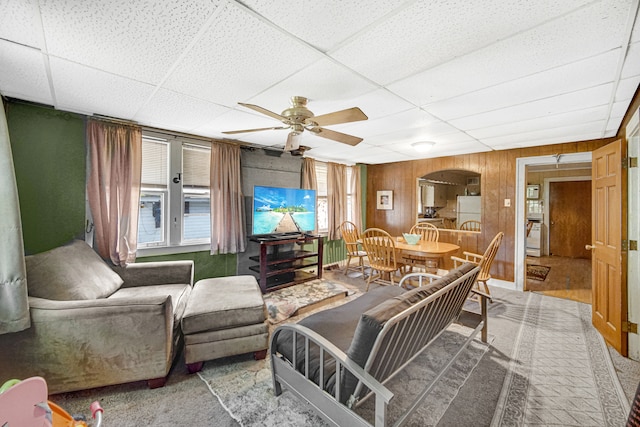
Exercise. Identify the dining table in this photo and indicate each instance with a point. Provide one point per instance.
(427, 249)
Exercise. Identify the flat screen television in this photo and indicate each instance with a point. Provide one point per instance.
(281, 211)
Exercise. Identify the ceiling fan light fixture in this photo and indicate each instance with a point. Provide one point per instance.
(423, 146)
(293, 141)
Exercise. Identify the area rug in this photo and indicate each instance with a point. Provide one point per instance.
(537, 272)
(244, 386)
(293, 300)
(560, 372)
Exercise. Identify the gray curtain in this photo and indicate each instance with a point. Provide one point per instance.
(14, 305)
(227, 201)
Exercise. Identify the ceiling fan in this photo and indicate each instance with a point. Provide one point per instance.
(298, 118)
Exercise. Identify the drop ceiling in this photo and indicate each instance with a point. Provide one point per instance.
(471, 76)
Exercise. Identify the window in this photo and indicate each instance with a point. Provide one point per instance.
(175, 209)
(323, 216)
(323, 207)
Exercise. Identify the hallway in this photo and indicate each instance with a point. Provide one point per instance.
(568, 278)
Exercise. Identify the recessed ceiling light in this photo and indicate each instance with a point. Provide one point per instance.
(423, 146)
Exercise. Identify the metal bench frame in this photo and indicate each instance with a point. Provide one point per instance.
(401, 340)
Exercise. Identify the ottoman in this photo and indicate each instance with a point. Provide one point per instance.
(224, 316)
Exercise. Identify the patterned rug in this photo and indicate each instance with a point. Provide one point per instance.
(537, 272)
(294, 300)
(561, 371)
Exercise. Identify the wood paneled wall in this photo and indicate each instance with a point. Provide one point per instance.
(498, 170)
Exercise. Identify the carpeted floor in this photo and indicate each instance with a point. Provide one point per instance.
(560, 371)
(187, 400)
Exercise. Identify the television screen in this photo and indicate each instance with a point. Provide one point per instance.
(279, 210)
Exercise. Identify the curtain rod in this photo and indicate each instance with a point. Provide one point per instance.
(167, 132)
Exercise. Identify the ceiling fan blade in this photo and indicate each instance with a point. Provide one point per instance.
(231, 132)
(336, 136)
(269, 113)
(343, 116)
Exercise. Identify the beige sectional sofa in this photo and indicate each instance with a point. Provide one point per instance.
(93, 325)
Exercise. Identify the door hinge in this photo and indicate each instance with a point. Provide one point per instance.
(630, 327)
(625, 245)
(633, 245)
(629, 162)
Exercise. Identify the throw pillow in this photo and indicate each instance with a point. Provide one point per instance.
(71, 272)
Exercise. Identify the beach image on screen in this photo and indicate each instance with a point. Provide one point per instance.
(283, 210)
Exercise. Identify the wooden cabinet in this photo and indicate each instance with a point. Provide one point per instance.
(283, 260)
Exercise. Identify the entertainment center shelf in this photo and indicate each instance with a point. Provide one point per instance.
(283, 259)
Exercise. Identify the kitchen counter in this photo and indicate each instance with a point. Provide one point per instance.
(438, 222)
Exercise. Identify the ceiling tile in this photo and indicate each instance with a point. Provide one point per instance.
(309, 19)
(523, 54)
(632, 62)
(235, 120)
(86, 90)
(331, 82)
(177, 111)
(140, 40)
(20, 22)
(547, 122)
(579, 100)
(24, 74)
(557, 81)
(225, 69)
(563, 133)
(626, 88)
(409, 119)
(427, 34)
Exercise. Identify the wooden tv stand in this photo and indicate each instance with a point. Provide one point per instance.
(282, 260)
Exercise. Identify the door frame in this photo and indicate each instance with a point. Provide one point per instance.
(520, 256)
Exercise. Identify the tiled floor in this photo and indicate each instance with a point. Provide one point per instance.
(568, 278)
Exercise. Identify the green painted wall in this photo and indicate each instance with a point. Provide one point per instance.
(49, 158)
(205, 264)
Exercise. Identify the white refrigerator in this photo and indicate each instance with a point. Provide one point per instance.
(468, 208)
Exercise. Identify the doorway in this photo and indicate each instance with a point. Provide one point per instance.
(567, 162)
(562, 268)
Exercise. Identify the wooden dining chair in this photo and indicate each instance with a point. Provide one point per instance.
(350, 235)
(428, 233)
(485, 260)
(381, 252)
(471, 225)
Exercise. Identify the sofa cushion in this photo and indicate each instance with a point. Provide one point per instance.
(71, 272)
(223, 303)
(179, 294)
